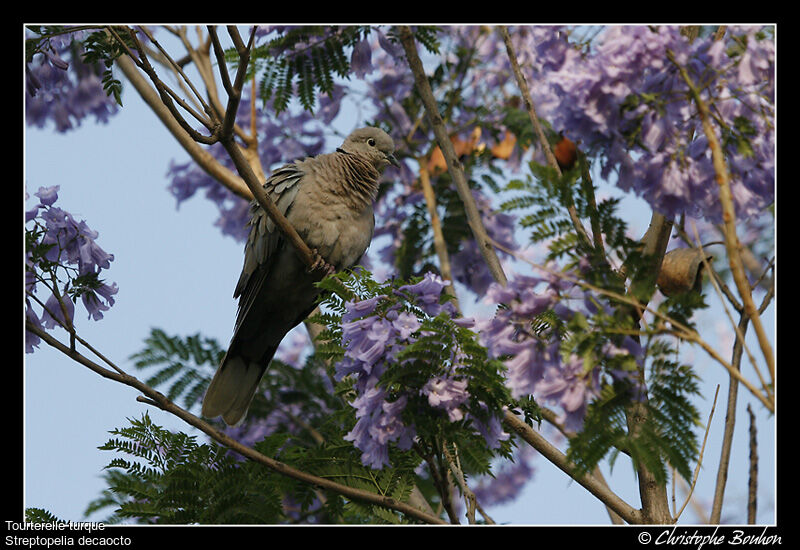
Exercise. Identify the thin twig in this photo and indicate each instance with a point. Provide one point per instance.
(726, 291)
(441, 481)
(752, 484)
(730, 422)
(548, 153)
(169, 97)
(469, 496)
(739, 336)
(205, 160)
(201, 58)
(439, 243)
(700, 456)
(177, 68)
(234, 90)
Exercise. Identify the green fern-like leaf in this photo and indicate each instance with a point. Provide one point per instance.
(186, 364)
(663, 433)
(40, 515)
(309, 56)
(166, 477)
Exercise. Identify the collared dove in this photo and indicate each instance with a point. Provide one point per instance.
(328, 199)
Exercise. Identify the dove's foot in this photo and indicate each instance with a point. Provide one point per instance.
(320, 264)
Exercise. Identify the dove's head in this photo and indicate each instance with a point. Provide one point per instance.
(373, 143)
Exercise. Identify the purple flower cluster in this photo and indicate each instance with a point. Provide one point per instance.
(255, 429)
(627, 101)
(67, 97)
(72, 247)
(537, 364)
(447, 394)
(372, 342)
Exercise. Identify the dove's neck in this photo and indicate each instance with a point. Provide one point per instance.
(359, 177)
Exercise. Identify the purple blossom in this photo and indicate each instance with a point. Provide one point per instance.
(628, 85)
(406, 324)
(330, 103)
(32, 341)
(47, 195)
(536, 362)
(534, 359)
(254, 429)
(393, 49)
(378, 425)
(427, 293)
(361, 58)
(99, 300)
(446, 394)
(52, 314)
(491, 430)
(74, 251)
(360, 308)
(372, 339)
(62, 89)
(429, 288)
(294, 348)
(506, 484)
(369, 343)
(568, 387)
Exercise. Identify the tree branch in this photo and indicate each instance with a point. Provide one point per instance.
(223, 134)
(548, 153)
(179, 70)
(168, 97)
(453, 164)
(200, 155)
(157, 399)
(732, 243)
(590, 483)
(655, 503)
(752, 484)
(730, 415)
(234, 90)
(699, 458)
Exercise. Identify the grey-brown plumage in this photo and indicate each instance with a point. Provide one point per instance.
(328, 199)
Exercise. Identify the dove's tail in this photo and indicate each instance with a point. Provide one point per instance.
(233, 387)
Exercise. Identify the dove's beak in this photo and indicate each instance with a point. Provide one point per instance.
(392, 160)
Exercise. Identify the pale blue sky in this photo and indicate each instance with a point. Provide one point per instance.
(176, 271)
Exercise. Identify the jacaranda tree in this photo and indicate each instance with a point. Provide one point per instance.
(504, 306)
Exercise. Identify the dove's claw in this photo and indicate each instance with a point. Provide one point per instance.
(321, 264)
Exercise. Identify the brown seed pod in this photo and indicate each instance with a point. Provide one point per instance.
(681, 271)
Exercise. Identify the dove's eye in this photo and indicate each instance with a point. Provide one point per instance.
(371, 142)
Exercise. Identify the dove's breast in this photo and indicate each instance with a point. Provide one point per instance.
(339, 232)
